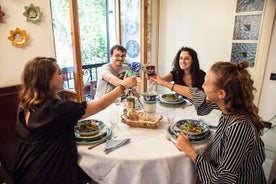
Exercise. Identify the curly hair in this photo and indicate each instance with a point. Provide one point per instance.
(194, 67)
(235, 80)
(35, 82)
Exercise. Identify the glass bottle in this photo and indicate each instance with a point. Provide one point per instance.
(130, 100)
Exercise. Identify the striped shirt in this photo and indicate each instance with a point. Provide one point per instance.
(237, 152)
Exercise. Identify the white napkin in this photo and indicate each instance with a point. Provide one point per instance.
(114, 144)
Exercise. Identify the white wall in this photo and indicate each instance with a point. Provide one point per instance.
(207, 27)
(13, 59)
(267, 104)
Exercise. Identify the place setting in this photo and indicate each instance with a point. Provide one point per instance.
(197, 131)
(172, 100)
(91, 132)
(94, 132)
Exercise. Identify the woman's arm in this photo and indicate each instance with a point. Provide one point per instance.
(180, 89)
(168, 77)
(103, 102)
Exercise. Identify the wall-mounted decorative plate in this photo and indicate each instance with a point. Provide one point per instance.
(32, 13)
(133, 48)
(18, 37)
(1, 14)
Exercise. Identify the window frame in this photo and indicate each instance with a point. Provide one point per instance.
(78, 95)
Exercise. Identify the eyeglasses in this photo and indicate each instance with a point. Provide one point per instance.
(120, 56)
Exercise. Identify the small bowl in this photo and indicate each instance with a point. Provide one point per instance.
(88, 127)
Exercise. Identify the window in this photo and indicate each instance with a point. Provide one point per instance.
(84, 31)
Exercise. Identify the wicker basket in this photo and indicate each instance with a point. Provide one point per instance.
(154, 123)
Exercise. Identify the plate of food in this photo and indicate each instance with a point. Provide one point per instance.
(88, 127)
(94, 137)
(171, 98)
(101, 139)
(205, 138)
(191, 127)
(176, 130)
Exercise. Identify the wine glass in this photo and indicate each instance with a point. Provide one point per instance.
(114, 119)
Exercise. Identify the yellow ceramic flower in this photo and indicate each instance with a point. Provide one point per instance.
(32, 13)
(18, 37)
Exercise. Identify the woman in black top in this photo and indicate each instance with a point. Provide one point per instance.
(186, 70)
(45, 125)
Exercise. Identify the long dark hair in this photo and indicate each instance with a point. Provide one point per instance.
(194, 67)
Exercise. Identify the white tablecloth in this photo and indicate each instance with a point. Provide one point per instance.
(148, 159)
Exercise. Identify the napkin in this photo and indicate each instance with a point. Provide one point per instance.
(114, 144)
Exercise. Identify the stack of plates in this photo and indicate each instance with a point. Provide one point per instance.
(92, 137)
(171, 100)
(198, 133)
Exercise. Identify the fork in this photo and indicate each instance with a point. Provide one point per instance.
(170, 139)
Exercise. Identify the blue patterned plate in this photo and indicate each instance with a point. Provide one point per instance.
(88, 127)
(190, 127)
(171, 99)
(107, 134)
(206, 138)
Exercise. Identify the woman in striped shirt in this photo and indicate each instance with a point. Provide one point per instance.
(237, 152)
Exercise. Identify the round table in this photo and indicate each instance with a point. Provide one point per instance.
(149, 158)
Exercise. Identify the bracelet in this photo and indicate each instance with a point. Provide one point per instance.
(172, 86)
(122, 87)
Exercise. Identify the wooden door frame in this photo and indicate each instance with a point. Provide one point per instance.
(76, 44)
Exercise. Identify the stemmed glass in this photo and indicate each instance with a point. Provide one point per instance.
(114, 119)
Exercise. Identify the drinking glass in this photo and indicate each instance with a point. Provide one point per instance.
(170, 116)
(150, 70)
(114, 119)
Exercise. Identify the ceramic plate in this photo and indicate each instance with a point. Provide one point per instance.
(193, 127)
(88, 132)
(202, 140)
(171, 105)
(98, 136)
(170, 98)
(175, 131)
(102, 139)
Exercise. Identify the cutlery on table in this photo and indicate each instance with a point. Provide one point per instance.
(111, 146)
(170, 139)
(101, 142)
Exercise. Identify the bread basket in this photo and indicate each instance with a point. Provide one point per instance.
(152, 121)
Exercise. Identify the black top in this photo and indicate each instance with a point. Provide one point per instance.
(197, 82)
(47, 150)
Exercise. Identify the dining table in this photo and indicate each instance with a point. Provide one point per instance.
(149, 157)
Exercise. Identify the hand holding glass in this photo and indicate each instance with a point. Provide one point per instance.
(150, 70)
